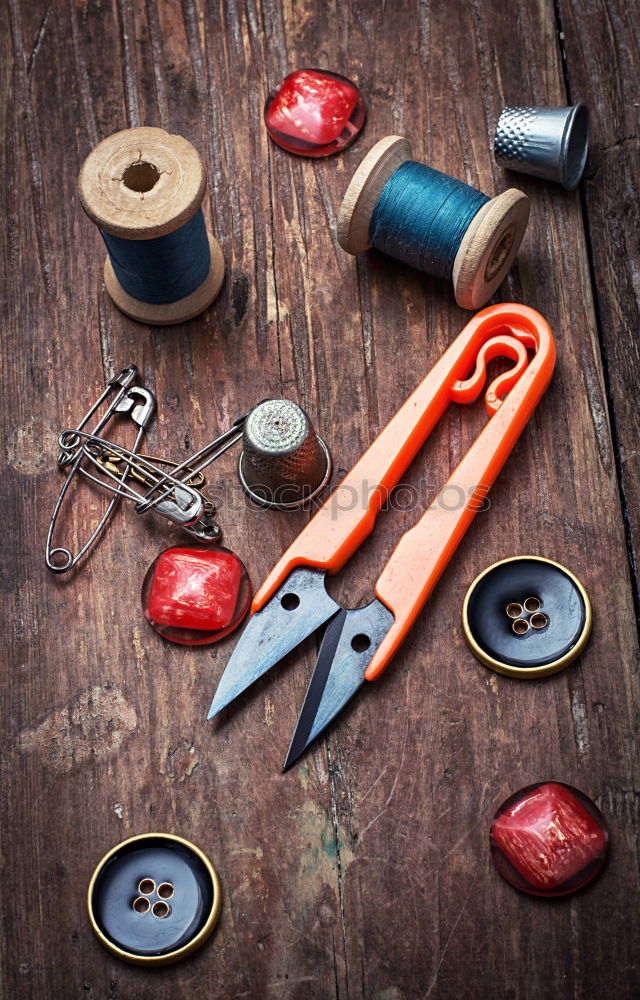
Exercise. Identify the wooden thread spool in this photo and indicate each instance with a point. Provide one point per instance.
(489, 245)
(142, 184)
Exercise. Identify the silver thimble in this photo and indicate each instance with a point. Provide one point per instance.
(283, 462)
(545, 142)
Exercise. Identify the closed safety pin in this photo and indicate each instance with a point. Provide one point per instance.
(133, 400)
(147, 466)
(172, 494)
(70, 440)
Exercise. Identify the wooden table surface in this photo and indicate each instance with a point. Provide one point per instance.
(365, 871)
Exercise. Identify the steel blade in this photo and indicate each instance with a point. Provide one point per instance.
(296, 610)
(348, 646)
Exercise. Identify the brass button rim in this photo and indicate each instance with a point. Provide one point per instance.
(527, 673)
(191, 946)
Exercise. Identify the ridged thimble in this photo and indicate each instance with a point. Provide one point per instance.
(551, 143)
(283, 462)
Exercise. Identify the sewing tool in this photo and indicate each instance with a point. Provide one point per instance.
(358, 644)
(549, 839)
(551, 143)
(279, 457)
(131, 400)
(144, 189)
(175, 495)
(284, 464)
(154, 899)
(526, 617)
(432, 221)
(313, 112)
(196, 596)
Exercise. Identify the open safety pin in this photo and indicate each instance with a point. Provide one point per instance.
(172, 494)
(358, 644)
(136, 401)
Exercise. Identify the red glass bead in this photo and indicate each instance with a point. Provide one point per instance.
(314, 112)
(548, 839)
(195, 596)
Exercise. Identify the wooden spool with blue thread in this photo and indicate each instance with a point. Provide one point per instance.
(142, 185)
(485, 252)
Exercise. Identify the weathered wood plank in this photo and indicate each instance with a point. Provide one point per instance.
(602, 45)
(364, 872)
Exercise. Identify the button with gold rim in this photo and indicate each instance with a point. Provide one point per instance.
(526, 617)
(154, 899)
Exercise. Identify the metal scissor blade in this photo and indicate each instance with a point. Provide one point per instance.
(349, 643)
(296, 610)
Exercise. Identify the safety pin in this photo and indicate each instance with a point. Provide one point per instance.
(139, 404)
(217, 447)
(183, 505)
(69, 441)
(179, 501)
(197, 481)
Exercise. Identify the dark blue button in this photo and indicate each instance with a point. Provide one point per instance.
(526, 617)
(154, 899)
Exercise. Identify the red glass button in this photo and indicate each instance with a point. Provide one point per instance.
(548, 839)
(195, 596)
(314, 112)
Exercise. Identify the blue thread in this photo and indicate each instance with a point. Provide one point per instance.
(422, 216)
(165, 269)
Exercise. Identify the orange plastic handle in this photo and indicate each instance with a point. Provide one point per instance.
(348, 516)
(423, 552)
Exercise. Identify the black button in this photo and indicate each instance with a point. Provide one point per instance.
(526, 617)
(154, 899)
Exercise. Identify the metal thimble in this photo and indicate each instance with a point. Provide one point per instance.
(545, 142)
(283, 462)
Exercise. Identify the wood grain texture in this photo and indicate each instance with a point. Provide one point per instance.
(364, 872)
(597, 36)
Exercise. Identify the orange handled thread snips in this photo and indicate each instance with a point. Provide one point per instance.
(359, 643)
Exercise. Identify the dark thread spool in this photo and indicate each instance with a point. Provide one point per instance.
(432, 221)
(144, 189)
